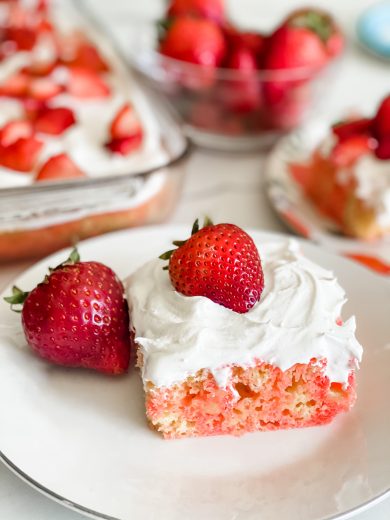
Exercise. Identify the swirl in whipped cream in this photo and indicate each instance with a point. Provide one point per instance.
(294, 322)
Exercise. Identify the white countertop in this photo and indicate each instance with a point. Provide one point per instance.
(222, 186)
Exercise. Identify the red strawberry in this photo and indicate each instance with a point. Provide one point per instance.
(320, 23)
(43, 89)
(212, 9)
(54, 121)
(254, 42)
(59, 167)
(88, 57)
(242, 94)
(33, 107)
(15, 86)
(347, 152)
(125, 123)
(220, 262)
(347, 129)
(194, 40)
(14, 130)
(382, 119)
(383, 149)
(21, 155)
(24, 37)
(292, 47)
(85, 84)
(125, 145)
(78, 317)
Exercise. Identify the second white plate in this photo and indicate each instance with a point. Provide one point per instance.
(300, 215)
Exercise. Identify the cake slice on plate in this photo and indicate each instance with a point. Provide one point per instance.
(348, 176)
(228, 343)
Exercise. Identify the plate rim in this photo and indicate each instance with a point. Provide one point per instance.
(88, 512)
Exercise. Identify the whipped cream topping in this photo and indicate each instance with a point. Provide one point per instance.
(373, 186)
(294, 322)
(84, 141)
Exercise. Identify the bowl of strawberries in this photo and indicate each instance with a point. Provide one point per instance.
(232, 88)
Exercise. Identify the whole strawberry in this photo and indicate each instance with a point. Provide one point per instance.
(381, 124)
(195, 40)
(212, 9)
(78, 317)
(305, 41)
(220, 262)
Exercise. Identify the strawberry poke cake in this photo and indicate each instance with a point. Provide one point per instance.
(71, 110)
(348, 176)
(229, 343)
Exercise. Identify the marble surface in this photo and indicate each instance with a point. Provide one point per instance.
(226, 187)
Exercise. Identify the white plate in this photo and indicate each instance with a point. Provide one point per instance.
(82, 438)
(300, 215)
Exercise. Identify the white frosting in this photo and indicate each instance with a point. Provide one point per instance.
(373, 186)
(294, 322)
(84, 142)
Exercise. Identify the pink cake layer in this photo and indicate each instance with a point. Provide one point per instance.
(262, 397)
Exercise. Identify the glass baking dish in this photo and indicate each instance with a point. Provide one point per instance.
(38, 219)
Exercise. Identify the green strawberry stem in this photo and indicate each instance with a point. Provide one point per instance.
(316, 22)
(178, 243)
(18, 297)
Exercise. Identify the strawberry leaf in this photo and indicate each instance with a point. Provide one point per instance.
(195, 227)
(167, 255)
(18, 297)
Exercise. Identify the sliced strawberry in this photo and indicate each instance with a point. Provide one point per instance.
(347, 129)
(347, 152)
(125, 123)
(43, 89)
(33, 107)
(86, 84)
(54, 121)
(40, 68)
(88, 57)
(15, 86)
(14, 130)
(125, 145)
(383, 149)
(21, 155)
(24, 37)
(382, 119)
(59, 167)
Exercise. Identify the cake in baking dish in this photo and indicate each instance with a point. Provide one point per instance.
(348, 176)
(282, 359)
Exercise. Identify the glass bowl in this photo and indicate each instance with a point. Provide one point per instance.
(224, 108)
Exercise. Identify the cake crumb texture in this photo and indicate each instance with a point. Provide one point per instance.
(258, 398)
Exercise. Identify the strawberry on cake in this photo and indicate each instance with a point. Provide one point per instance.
(348, 175)
(228, 343)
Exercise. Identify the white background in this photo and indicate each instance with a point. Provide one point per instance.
(226, 187)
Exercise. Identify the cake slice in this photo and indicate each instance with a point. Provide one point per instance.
(348, 176)
(286, 361)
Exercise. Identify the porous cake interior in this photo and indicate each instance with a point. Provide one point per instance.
(262, 397)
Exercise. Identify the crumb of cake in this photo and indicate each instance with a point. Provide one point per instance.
(258, 398)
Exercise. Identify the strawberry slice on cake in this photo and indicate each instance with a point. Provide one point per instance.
(235, 337)
(347, 177)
